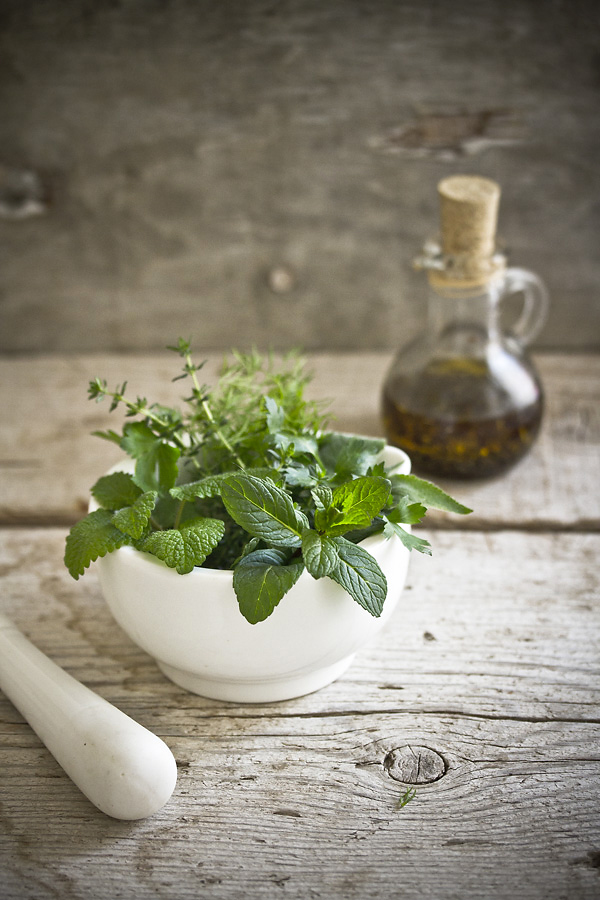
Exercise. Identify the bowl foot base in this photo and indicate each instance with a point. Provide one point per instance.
(249, 690)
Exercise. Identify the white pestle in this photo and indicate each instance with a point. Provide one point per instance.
(124, 769)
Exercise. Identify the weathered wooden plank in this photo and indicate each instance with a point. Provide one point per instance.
(502, 625)
(491, 662)
(306, 808)
(239, 140)
(48, 460)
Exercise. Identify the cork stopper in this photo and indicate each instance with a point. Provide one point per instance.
(468, 214)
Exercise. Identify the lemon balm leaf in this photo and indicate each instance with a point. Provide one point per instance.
(116, 490)
(133, 520)
(91, 537)
(186, 547)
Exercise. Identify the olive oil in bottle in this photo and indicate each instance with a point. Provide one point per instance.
(464, 400)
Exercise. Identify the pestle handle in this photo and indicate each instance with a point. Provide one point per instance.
(124, 769)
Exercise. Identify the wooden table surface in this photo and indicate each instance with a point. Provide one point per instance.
(487, 680)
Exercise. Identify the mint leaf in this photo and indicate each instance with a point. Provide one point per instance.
(323, 496)
(409, 540)
(91, 537)
(427, 493)
(210, 486)
(116, 490)
(185, 547)
(326, 519)
(406, 512)
(359, 501)
(132, 520)
(319, 552)
(260, 580)
(347, 455)
(204, 487)
(359, 574)
(263, 510)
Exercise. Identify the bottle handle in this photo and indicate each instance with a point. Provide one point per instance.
(535, 302)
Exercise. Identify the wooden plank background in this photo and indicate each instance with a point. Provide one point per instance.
(261, 172)
(553, 488)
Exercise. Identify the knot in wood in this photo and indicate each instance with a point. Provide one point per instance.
(415, 764)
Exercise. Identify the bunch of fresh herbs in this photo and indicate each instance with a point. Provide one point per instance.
(248, 477)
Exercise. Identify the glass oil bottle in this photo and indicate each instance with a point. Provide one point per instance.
(464, 400)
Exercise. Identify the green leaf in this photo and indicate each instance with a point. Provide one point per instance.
(157, 470)
(348, 455)
(204, 487)
(275, 415)
(156, 460)
(409, 540)
(116, 490)
(138, 439)
(91, 537)
(260, 580)
(210, 486)
(359, 574)
(299, 475)
(406, 512)
(323, 496)
(359, 501)
(263, 510)
(320, 553)
(132, 520)
(326, 519)
(109, 435)
(185, 547)
(427, 493)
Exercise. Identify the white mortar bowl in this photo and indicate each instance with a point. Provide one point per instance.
(192, 626)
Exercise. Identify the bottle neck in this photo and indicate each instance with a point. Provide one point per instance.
(463, 320)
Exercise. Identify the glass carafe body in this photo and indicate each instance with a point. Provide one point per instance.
(464, 399)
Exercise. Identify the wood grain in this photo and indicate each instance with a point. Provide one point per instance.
(491, 667)
(188, 153)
